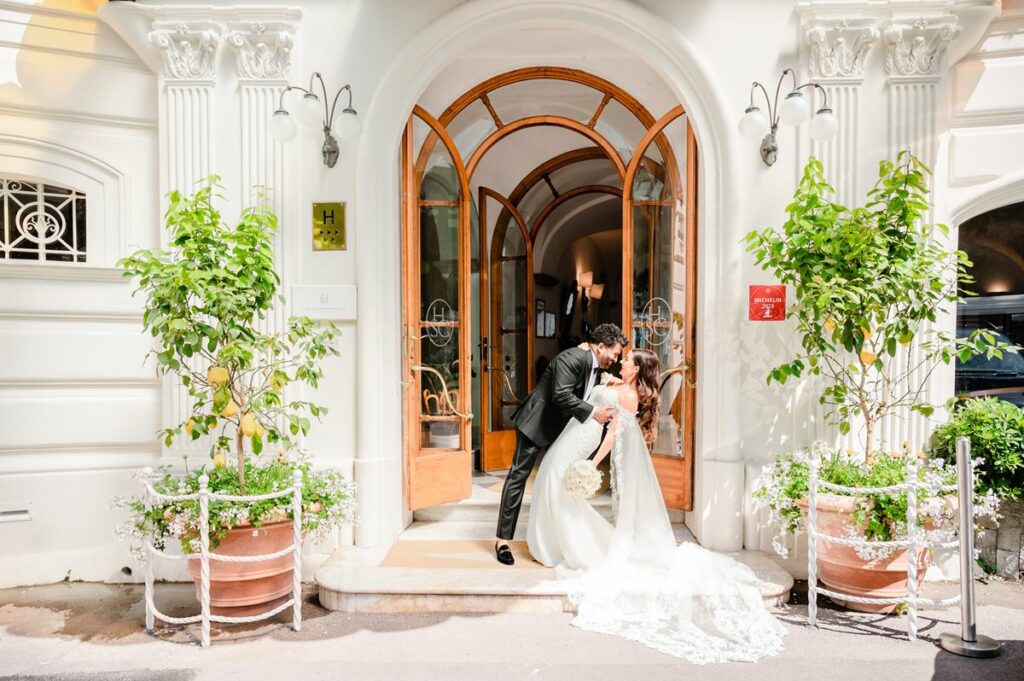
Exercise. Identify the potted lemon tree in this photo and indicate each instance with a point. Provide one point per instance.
(870, 283)
(208, 296)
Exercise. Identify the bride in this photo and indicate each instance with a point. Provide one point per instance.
(630, 578)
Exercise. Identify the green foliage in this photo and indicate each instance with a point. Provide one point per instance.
(208, 296)
(868, 282)
(996, 431)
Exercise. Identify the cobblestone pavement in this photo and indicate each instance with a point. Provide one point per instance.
(93, 632)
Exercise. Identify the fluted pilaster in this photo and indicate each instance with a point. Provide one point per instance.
(262, 54)
(915, 66)
(836, 53)
(189, 53)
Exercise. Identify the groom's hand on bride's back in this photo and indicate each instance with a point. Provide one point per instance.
(604, 414)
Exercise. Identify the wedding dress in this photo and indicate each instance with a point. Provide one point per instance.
(630, 579)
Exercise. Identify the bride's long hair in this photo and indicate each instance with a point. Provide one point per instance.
(648, 369)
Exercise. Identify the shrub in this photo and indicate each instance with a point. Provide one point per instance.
(996, 431)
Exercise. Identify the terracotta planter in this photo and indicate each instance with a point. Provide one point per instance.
(244, 589)
(841, 569)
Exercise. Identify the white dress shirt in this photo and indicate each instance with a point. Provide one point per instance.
(591, 380)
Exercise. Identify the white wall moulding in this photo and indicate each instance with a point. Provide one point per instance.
(62, 32)
(838, 47)
(60, 272)
(914, 48)
(835, 55)
(38, 112)
(197, 30)
(263, 52)
(189, 51)
(106, 189)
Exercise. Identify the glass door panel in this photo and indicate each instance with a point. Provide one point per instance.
(658, 257)
(508, 346)
(437, 312)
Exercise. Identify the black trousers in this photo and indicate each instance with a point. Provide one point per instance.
(512, 493)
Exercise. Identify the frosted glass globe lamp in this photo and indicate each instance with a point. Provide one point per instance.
(308, 112)
(824, 125)
(282, 127)
(794, 110)
(754, 124)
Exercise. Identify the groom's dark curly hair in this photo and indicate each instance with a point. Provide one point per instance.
(609, 334)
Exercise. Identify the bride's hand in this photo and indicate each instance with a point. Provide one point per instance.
(584, 345)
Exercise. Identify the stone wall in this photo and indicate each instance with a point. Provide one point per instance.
(1003, 546)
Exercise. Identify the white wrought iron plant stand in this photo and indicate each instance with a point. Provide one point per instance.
(913, 542)
(204, 556)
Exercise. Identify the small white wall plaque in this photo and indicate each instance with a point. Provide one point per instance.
(335, 303)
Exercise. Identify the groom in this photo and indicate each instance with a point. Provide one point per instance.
(559, 395)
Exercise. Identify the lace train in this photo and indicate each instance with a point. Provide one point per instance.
(704, 608)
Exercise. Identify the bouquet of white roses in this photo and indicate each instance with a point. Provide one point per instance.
(582, 479)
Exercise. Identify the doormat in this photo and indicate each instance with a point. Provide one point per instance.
(460, 553)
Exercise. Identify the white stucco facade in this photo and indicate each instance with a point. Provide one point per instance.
(112, 102)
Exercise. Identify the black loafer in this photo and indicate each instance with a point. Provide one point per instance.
(504, 554)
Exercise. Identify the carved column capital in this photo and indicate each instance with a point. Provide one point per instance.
(838, 47)
(189, 50)
(914, 48)
(263, 51)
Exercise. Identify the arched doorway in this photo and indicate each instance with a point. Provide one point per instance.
(653, 165)
(664, 50)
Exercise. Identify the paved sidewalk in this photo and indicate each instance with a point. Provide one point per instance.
(93, 632)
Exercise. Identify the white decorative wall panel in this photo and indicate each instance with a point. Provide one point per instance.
(58, 350)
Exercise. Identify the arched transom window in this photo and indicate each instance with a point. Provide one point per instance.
(40, 221)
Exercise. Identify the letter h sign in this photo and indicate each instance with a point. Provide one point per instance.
(329, 227)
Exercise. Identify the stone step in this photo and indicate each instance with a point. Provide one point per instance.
(482, 508)
(353, 581)
(421, 530)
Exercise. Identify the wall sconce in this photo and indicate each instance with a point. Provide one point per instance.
(282, 127)
(586, 280)
(794, 111)
(596, 291)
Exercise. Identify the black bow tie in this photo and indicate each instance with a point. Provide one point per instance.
(596, 370)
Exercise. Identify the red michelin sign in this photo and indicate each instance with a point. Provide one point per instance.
(767, 303)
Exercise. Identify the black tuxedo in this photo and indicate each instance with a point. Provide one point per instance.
(540, 419)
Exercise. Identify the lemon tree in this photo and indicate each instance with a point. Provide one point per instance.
(208, 295)
(868, 282)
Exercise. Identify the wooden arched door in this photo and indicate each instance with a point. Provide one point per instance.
(507, 325)
(659, 220)
(436, 267)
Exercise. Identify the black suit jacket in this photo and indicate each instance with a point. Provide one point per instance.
(557, 397)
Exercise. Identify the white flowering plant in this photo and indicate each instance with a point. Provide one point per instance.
(328, 500)
(582, 479)
(782, 489)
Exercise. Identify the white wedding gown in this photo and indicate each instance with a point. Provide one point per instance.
(630, 579)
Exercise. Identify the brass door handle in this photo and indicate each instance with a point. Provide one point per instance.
(508, 383)
(684, 369)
